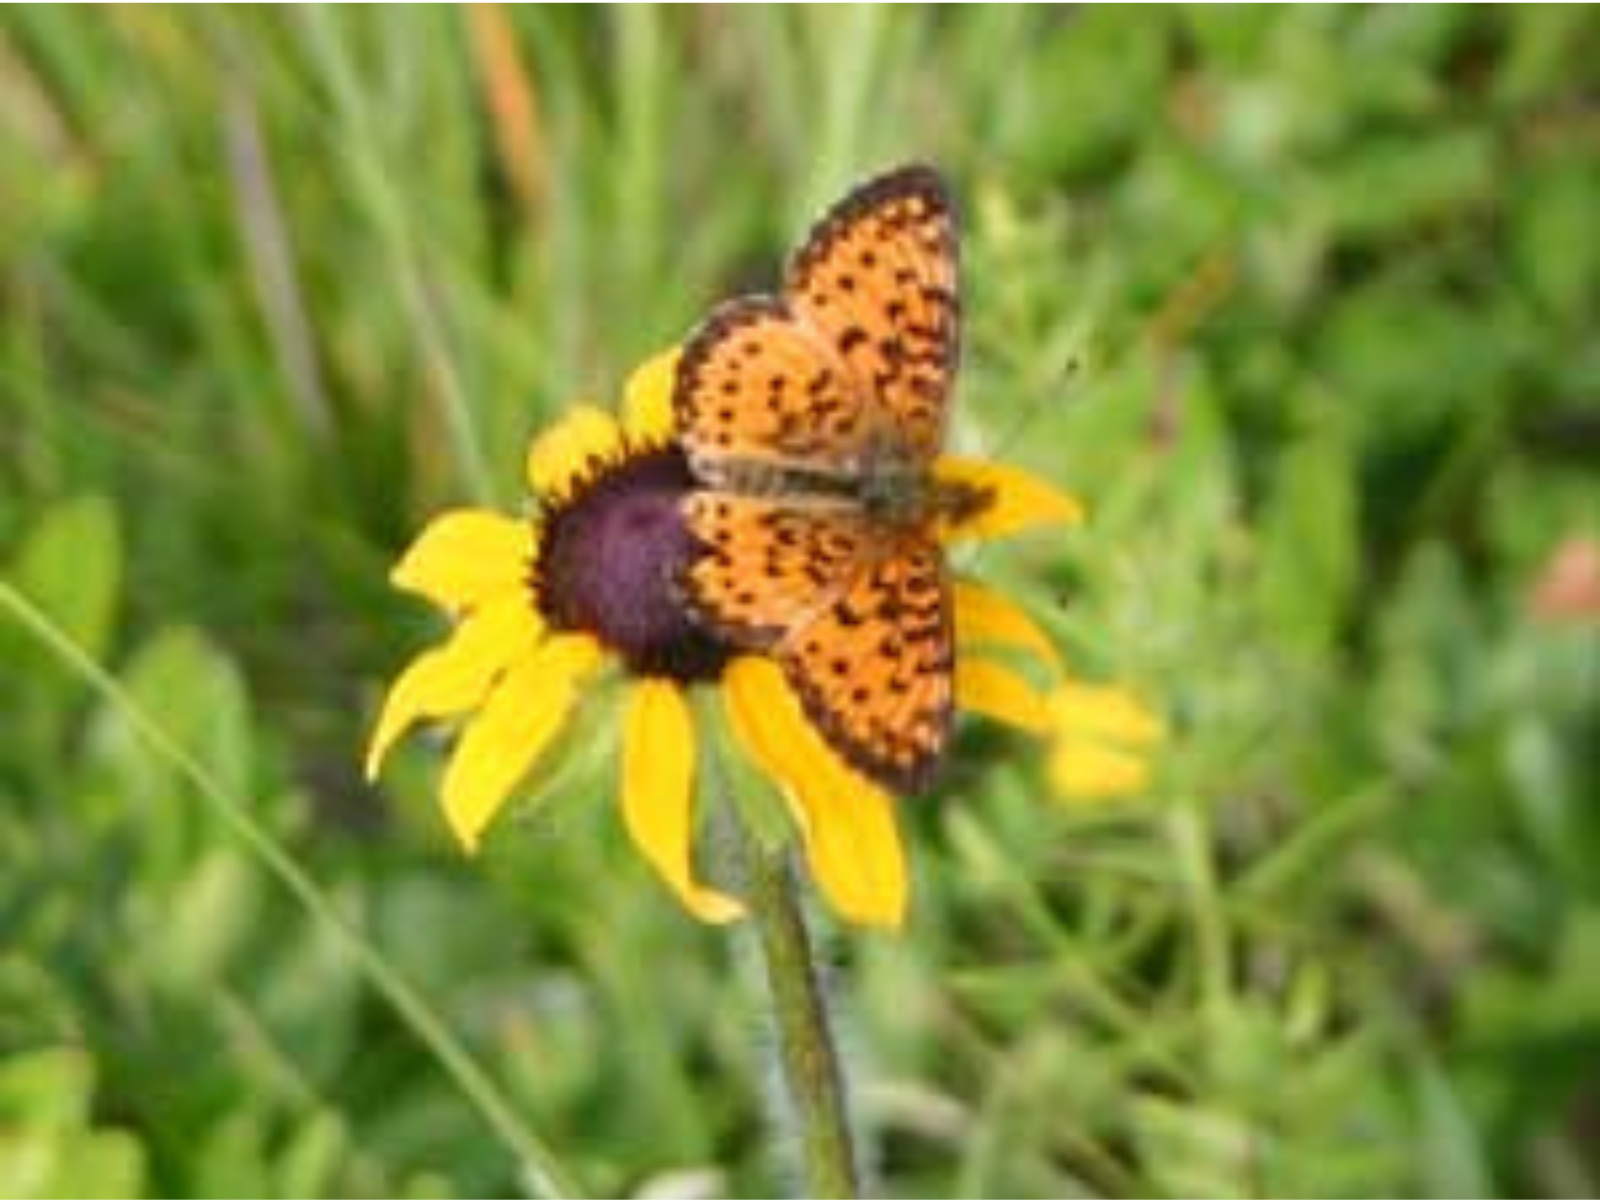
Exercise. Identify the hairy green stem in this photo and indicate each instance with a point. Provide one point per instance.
(805, 1041)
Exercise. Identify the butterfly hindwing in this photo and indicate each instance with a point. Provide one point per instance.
(879, 277)
(767, 566)
(873, 669)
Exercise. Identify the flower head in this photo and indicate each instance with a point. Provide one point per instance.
(544, 605)
(608, 551)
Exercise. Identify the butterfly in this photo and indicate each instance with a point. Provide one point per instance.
(812, 420)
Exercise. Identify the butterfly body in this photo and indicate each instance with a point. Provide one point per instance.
(889, 489)
(813, 420)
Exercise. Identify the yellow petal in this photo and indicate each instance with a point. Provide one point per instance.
(987, 687)
(1111, 713)
(455, 677)
(466, 556)
(657, 794)
(1017, 499)
(985, 617)
(523, 713)
(1083, 769)
(853, 847)
(586, 437)
(647, 400)
(847, 825)
(750, 688)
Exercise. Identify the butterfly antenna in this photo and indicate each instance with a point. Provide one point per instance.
(1034, 404)
(1012, 435)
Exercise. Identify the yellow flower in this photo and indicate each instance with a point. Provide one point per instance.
(1100, 736)
(846, 822)
(542, 606)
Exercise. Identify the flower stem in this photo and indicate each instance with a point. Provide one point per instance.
(810, 1061)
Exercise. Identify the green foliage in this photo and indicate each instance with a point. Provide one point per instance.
(51, 1148)
(1303, 301)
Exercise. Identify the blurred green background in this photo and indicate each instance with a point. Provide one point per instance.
(1304, 302)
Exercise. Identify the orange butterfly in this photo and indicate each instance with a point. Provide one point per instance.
(813, 419)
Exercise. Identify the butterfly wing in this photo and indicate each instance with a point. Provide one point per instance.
(758, 391)
(767, 566)
(784, 407)
(858, 355)
(873, 668)
(858, 619)
(878, 278)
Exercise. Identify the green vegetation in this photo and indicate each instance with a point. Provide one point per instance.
(1305, 304)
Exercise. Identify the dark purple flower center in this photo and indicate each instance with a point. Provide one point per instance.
(609, 561)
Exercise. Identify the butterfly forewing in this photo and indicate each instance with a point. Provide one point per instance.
(758, 390)
(879, 277)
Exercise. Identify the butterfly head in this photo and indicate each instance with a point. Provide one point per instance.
(895, 493)
(953, 502)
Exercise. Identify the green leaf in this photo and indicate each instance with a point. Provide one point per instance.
(208, 921)
(192, 690)
(1310, 554)
(47, 1147)
(49, 1087)
(1388, 185)
(71, 567)
(107, 1163)
(1103, 83)
(1450, 1153)
(1556, 248)
(1194, 1150)
(311, 1161)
